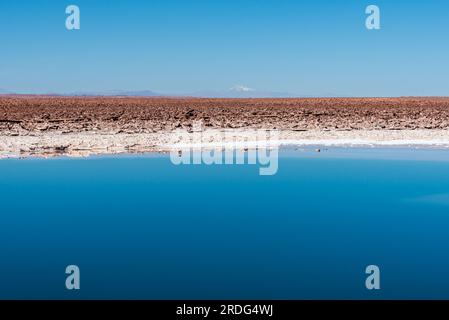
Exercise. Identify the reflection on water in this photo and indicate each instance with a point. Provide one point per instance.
(438, 199)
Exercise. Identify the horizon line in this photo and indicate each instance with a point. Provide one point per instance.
(205, 97)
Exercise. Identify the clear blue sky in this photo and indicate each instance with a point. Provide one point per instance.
(309, 47)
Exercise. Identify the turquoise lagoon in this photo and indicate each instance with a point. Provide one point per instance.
(139, 227)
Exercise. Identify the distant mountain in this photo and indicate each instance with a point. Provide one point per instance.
(234, 92)
(116, 93)
(242, 92)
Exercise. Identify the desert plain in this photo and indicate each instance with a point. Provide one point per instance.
(81, 126)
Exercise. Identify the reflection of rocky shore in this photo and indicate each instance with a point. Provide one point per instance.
(47, 126)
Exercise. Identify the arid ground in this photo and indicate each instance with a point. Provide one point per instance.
(28, 115)
(46, 124)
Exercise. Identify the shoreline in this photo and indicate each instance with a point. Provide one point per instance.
(33, 126)
(91, 144)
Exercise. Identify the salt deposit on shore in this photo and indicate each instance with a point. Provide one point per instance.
(47, 126)
(86, 144)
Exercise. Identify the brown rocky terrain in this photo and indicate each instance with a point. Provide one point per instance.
(46, 126)
(29, 115)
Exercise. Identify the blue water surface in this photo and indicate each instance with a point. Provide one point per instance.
(139, 227)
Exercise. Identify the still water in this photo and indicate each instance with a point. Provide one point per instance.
(139, 227)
